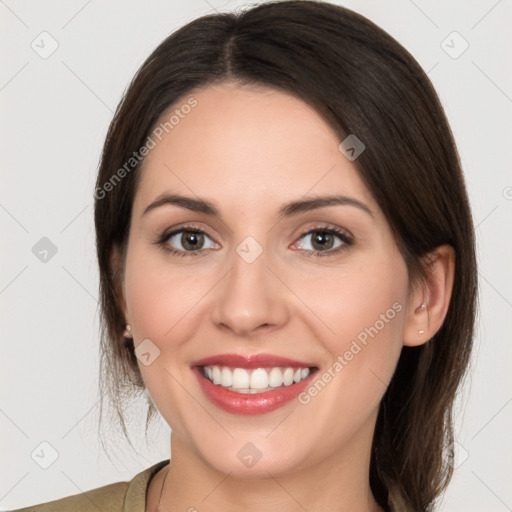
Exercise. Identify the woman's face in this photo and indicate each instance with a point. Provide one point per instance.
(248, 283)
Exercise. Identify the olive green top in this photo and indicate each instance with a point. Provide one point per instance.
(119, 497)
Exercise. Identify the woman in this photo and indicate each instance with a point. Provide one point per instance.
(287, 266)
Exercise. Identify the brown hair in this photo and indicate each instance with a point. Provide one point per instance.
(362, 82)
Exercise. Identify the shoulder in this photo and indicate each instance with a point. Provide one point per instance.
(109, 497)
(118, 497)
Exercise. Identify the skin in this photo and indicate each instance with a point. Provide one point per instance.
(249, 150)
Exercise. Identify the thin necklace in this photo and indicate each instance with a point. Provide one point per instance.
(162, 491)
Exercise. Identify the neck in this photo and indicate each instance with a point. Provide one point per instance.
(339, 483)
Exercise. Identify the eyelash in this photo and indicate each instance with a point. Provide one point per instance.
(342, 235)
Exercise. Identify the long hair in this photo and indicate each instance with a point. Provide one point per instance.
(363, 82)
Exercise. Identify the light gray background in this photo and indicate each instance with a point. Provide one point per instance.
(55, 116)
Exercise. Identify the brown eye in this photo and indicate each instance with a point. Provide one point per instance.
(325, 240)
(187, 240)
(322, 240)
(191, 241)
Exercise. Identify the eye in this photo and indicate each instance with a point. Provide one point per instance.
(325, 241)
(190, 241)
(186, 241)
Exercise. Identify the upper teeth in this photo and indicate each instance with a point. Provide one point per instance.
(241, 379)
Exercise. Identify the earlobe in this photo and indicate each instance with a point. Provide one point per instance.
(430, 303)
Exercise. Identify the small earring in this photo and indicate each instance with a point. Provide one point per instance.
(128, 331)
(421, 308)
(420, 332)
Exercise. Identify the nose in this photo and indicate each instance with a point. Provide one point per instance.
(251, 299)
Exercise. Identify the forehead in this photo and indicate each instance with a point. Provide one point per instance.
(248, 147)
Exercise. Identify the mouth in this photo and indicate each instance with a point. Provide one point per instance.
(252, 384)
(257, 380)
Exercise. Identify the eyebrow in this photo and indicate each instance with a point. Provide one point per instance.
(287, 210)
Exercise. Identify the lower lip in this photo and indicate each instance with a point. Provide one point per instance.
(250, 403)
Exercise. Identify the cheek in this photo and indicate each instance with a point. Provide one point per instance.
(364, 310)
(159, 296)
(160, 299)
(353, 298)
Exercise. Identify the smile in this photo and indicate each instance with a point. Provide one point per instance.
(254, 383)
(258, 380)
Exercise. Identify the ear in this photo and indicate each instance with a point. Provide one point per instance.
(430, 301)
(116, 265)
